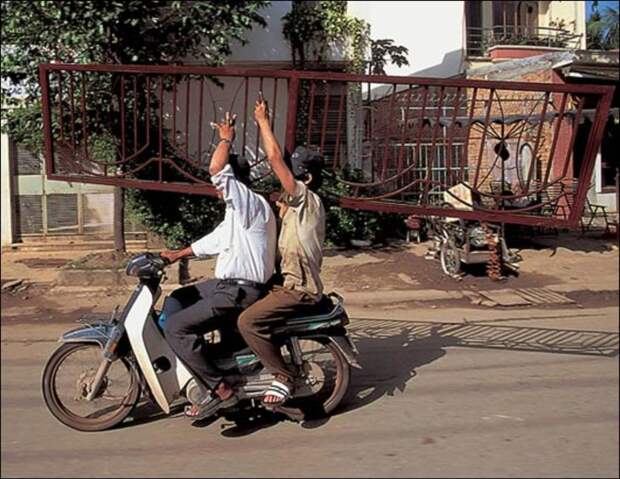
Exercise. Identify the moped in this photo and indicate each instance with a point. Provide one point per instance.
(93, 381)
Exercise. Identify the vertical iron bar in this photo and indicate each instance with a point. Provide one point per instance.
(388, 132)
(556, 133)
(457, 104)
(484, 135)
(72, 104)
(291, 116)
(174, 111)
(47, 120)
(200, 113)
(148, 110)
(245, 115)
(275, 104)
(569, 151)
(122, 102)
(260, 88)
(189, 82)
(339, 124)
(418, 152)
(60, 109)
(84, 134)
(161, 126)
(135, 114)
(465, 157)
(403, 131)
(310, 113)
(325, 110)
(433, 153)
(539, 135)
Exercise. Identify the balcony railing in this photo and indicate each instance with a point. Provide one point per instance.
(479, 40)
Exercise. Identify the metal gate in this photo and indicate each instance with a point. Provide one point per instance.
(395, 144)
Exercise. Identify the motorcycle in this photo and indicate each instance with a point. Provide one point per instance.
(93, 381)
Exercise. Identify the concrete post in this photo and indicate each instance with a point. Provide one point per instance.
(6, 192)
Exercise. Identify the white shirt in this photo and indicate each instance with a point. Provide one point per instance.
(245, 241)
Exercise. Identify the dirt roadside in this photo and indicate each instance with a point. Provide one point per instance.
(586, 269)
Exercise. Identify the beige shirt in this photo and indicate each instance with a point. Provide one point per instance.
(301, 241)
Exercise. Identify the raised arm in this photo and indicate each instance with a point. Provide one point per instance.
(272, 149)
(226, 130)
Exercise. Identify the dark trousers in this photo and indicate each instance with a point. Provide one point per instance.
(202, 304)
(256, 322)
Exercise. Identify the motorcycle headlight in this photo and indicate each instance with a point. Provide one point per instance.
(477, 237)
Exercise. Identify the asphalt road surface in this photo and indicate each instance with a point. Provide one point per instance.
(430, 402)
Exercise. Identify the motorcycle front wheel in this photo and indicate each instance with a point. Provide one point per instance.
(68, 377)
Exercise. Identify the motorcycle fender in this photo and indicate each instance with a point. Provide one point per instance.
(90, 334)
(345, 346)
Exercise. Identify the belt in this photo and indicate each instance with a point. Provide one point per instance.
(243, 282)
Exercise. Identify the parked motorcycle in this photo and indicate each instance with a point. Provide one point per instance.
(93, 381)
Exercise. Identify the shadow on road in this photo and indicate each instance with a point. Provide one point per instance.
(391, 351)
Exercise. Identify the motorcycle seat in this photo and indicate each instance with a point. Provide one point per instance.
(329, 311)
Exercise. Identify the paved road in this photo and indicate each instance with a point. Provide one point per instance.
(434, 400)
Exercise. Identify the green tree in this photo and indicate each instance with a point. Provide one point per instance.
(602, 29)
(127, 31)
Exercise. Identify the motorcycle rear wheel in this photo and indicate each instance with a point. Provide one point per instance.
(67, 377)
(332, 374)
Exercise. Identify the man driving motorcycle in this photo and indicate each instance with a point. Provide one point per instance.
(244, 243)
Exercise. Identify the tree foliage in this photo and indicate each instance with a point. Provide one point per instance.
(602, 29)
(114, 31)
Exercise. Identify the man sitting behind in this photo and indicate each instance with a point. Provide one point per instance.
(245, 244)
(301, 248)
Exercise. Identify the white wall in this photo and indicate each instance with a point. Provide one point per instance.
(434, 33)
(265, 45)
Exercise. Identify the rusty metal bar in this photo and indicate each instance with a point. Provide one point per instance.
(72, 105)
(310, 113)
(291, 116)
(594, 142)
(275, 104)
(60, 109)
(468, 133)
(334, 76)
(403, 130)
(388, 132)
(573, 137)
(455, 110)
(161, 127)
(429, 164)
(174, 111)
(538, 136)
(325, 110)
(260, 88)
(122, 107)
(339, 124)
(83, 100)
(420, 122)
(484, 133)
(135, 115)
(200, 114)
(556, 135)
(245, 115)
(47, 120)
(187, 88)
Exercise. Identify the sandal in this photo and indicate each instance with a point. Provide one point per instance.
(278, 389)
(209, 406)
